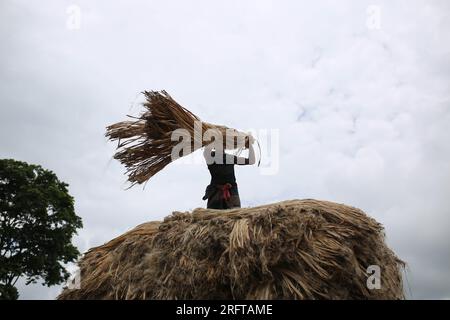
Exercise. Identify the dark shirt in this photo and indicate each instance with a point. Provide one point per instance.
(222, 171)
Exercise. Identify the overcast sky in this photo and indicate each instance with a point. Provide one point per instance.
(358, 91)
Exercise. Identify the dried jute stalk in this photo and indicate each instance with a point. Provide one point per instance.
(145, 144)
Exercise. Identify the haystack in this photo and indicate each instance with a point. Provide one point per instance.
(298, 249)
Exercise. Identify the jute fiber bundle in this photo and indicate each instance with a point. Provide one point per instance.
(145, 144)
(298, 249)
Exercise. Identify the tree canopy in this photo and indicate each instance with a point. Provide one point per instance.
(37, 223)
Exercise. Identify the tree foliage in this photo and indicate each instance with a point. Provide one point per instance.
(37, 223)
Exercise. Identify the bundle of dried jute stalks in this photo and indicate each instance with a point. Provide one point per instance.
(146, 143)
(296, 249)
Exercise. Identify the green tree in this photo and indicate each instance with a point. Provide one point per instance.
(37, 222)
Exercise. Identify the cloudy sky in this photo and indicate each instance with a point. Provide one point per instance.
(357, 90)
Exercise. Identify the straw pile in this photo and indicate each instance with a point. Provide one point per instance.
(145, 144)
(298, 249)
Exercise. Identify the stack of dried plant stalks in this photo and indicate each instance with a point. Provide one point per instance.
(298, 249)
(145, 144)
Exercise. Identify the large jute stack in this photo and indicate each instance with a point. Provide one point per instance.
(145, 143)
(298, 249)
